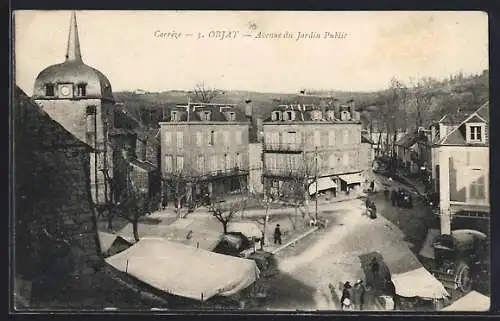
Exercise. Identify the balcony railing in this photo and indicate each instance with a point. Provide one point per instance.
(196, 174)
(292, 147)
(284, 172)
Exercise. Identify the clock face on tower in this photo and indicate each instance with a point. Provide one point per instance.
(65, 90)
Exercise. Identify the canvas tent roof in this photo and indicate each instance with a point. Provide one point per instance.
(352, 178)
(203, 232)
(472, 301)
(249, 229)
(418, 283)
(184, 270)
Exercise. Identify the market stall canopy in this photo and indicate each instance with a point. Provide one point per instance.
(323, 183)
(107, 240)
(184, 270)
(418, 283)
(249, 229)
(355, 178)
(472, 301)
(203, 232)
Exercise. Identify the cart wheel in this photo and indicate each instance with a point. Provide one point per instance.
(463, 277)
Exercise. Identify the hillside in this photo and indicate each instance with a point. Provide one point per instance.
(442, 96)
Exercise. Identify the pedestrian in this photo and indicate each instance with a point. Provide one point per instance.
(345, 299)
(394, 197)
(359, 294)
(375, 268)
(372, 186)
(277, 235)
(367, 203)
(373, 208)
(386, 193)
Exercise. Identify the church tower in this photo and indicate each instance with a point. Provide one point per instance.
(80, 98)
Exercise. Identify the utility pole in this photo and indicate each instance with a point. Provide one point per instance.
(316, 180)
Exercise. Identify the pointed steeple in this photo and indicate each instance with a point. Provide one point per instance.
(73, 50)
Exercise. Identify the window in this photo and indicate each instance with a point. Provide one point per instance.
(331, 138)
(91, 110)
(276, 115)
(239, 138)
(345, 159)
(180, 163)
(317, 138)
(168, 164)
(225, 138)
(212, 138)
(477, 189)
(289, 139)
(49, 90)
(227, 161)
(238, 160)
(81, 90)
(345, 138)
(180, 139)
(289, 115)
(174, 115)
(332, 161)
(201, 163)
(231, 116)
(199, 138)
(168, 138)
(475, 133)
(213, 163)
(205, 115)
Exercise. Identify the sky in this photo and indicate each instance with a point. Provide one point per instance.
(133, 49)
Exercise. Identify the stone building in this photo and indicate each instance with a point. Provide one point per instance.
(204, 148)
(313, 141)
(57, 260)
(460, 171)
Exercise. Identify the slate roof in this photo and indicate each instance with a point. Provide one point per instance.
(457, 136)
(216, 114)
(146, 166)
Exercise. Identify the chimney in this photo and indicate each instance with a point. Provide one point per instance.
(248, 109)
(336, 105)
(352, 107)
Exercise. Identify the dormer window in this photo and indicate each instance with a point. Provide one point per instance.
(475, 133)
(289, 115)
(276, 115)
(81, 90)
(316, 115)
(174, 115)
(50, 90)
(231, 116)
(205, 115)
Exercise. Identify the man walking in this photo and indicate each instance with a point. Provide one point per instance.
(359, 294)
(277, 235)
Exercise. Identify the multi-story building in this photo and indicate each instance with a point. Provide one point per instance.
(311, 141)
(204, 148)
(460, 161)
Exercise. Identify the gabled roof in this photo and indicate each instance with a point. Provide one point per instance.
(146, 166)
(409, 139)
(457, 136)
(366, 139)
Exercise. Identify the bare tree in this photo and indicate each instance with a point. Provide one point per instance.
(178, 183)
(225, 212)
(422, 97)
(204, 94)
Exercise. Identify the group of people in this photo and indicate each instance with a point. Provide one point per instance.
(353, 297)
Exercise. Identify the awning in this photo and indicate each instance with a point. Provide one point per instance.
(472, 301)
(355, 178)
(323, 183)
(249, 229)
(427, 249)
(418, 283)
(184, 270)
